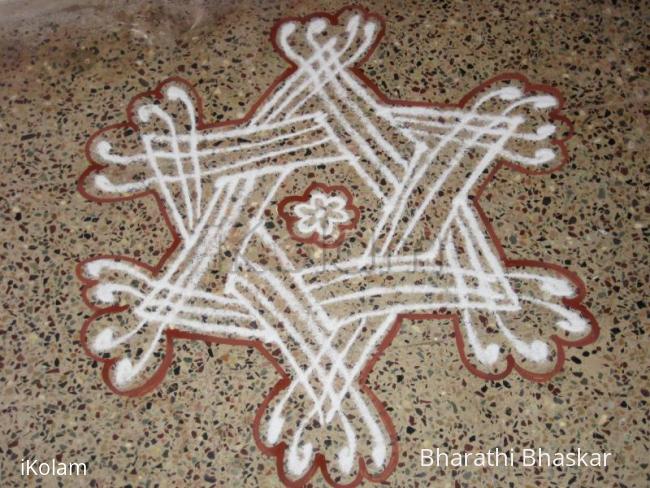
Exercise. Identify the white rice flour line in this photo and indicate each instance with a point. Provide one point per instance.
(338, 364)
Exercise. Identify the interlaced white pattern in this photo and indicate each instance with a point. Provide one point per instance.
(179, 162)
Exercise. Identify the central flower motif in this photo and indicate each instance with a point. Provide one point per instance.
(321, 215)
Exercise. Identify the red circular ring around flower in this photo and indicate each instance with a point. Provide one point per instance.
(324, 239)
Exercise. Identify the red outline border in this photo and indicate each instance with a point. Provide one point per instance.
(315, 238)
(171, 335)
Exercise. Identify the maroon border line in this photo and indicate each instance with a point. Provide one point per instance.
(278, 450)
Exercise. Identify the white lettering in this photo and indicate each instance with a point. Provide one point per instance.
(438, 455)
(570, 459)
(31, 466)
(582, 458)
(457, 459)
(53, 468)
(605, 456)
(528, 457)
(426, 457)
(479, 459)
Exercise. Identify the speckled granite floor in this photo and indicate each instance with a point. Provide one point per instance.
(71, 70)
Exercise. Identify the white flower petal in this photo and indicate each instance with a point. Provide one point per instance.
(304, 210)
(308, 225)
(318, 199)
(328, 228)
(336, 203)
(338, 216)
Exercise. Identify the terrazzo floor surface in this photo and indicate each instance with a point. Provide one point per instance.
(70, 69)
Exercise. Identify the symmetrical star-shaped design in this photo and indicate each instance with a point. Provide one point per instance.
(382, 187)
